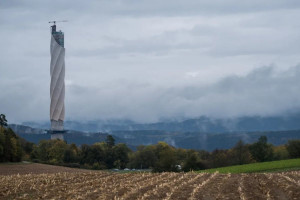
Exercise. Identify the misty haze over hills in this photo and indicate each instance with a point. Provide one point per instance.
(202, 124)
(201, 133)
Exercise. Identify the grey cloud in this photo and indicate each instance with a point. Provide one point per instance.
(151, 8)
(147, 60)
(157, 45)
(24, 99)
(232, 38)
(262, 92)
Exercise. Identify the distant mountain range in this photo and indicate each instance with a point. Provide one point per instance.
(187, 140)
(201, 124)
(202, 133)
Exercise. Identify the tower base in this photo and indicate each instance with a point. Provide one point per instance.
(57, 134)
(57, 125)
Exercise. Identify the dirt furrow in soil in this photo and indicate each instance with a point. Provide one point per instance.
(275, 192)
(116, 186)
(142, 188)
(229, 187)
(97, 187)
(295, 176)
(49, 185)
(77, 186)
(198, 189)
(121, 187)
(289, 179)
(254, 187)
(185, 189)
(282, 187)
(212, 188)
(164, 189)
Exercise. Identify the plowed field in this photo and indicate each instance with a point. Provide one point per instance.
(82, 184)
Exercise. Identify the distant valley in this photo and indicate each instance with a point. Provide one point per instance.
(201, 124)
(202, 133)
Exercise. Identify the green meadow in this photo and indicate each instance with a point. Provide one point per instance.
(273, 166)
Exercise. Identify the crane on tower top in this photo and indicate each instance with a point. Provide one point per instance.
(58, 35)
(58, 21)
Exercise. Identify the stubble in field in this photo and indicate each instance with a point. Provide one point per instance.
(84, 184)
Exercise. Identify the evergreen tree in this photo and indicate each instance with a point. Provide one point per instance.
(3, 121)
(110, 141)
(261, 151)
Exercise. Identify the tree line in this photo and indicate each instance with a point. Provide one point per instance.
(12, 147)
(158, 157)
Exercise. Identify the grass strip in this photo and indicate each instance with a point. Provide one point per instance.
(281, 165)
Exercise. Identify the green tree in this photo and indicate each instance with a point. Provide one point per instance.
(2, 142)
(84, 155)
(110, 141)
(293, 147)
(20, 151)
(57, 151)
(220, 158)
(99, 152)
(204, 155)
(95, 155)
(143, 158)
(241, 153)
(280, 152)
(121, 158)
(42, 150)
(71, 154)
(68, 156)
(166, 158)
(181, 155)
(261, 151)
(12, 148)
(3, 121)
(27, 147)
(192, 162)
(109, 157)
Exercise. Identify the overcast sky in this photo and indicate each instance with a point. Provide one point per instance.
(152, 60)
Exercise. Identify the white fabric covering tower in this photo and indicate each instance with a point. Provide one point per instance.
(57, 87)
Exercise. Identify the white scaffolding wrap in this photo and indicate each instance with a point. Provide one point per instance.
(57, 87)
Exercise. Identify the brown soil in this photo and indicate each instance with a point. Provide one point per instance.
(33, 168)
(37, 181)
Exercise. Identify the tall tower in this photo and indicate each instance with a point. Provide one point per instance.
(57, 87)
